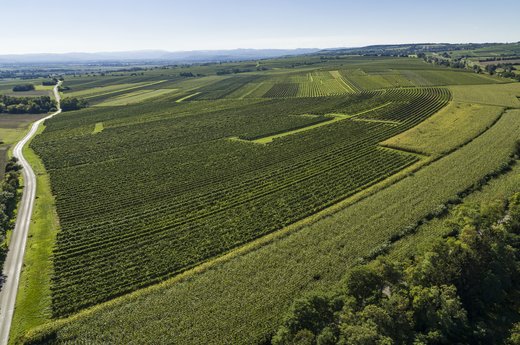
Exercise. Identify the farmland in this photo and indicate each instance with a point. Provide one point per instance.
(316, 256)
(219, 198)
(203, 215)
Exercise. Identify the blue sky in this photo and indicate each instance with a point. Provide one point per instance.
(32, 26)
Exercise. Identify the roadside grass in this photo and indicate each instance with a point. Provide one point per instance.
(33, 302)
(449, 128)
(240, 298)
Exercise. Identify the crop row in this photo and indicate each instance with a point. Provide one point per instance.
(244, 299)
(215, 193)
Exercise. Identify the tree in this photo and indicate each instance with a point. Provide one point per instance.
(455, 293)
(73, 103)
(24, 87)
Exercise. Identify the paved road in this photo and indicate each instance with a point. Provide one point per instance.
(14, 259)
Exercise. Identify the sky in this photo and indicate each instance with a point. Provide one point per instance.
(51, 26)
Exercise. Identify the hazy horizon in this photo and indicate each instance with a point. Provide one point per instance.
(118, 26)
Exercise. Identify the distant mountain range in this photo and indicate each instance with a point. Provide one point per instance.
(156, 55)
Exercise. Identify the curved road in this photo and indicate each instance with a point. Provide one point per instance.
(14, 259)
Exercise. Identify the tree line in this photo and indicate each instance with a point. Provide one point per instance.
(8, 200)
(464, 290)
(26, 105)
(73, 103)
(23, 87)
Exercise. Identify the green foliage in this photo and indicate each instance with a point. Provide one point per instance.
(26, 105)
(73, 103)
(252, 289)
(219, 198)
(51, 82)
(24, 87)
(8, 199)
(452, 294)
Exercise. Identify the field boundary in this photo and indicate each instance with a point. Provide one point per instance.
(187, 97)
(333, 118)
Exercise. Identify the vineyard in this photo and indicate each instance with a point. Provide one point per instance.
(224, 193)
(252, 291)
(217, 193)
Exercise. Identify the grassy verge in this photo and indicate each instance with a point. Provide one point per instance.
(33, 303)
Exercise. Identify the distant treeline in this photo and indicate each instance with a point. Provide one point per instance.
(407, 49)
(8, 200)
(26, 105)
(464, 290)
(232, 71)
(51, 82)
(23, 87)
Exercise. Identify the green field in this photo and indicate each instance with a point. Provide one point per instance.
(451, 127)
(220, 190)
(252, 290)
(194, 210)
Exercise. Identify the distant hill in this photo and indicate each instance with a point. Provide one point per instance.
(156, 55)
(469, 49)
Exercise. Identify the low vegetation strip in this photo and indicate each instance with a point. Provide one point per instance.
(187, 97)
(253, 290)
(33, 301)
(136, 97)
(449, 128)
(98, 127)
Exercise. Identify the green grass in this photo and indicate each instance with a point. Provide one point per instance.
(505, 95)
(241, 300)
(33, 302)
(98, 128)
(269, 139)
(449, 128)
(13, 128)
(187, 97)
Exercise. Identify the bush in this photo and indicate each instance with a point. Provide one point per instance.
(73, 103)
